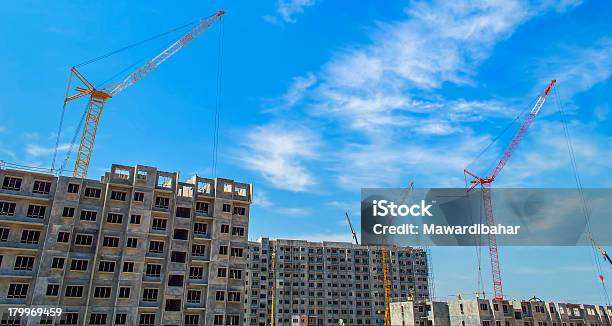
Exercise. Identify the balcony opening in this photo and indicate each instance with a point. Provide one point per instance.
(175, 280)
(173, 305)
(181, 234)
(179, 257)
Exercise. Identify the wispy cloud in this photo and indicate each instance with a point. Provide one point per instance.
(579, 69)
(287, 10)
(293, 211)
(34, 150)
(260, 198)
(387, 163)
(295, 93)
(8, 153)
(393, 80)
(547, 154)
(280, 152)
(387, 94)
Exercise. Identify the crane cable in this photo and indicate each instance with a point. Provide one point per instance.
(135, 44)
(504, 130)
(218, 101)
(57, 138)
(585, 205)
(477, 247)
(74, 138)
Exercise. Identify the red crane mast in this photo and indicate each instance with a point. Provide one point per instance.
(485, 184)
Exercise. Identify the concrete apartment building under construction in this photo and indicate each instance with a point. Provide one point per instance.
(138, 247)
(534, 312)
(319, 283)
(486, 312)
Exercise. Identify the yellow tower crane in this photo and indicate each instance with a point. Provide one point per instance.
(386, 269)
(98, 97)
(274, 283)
(386, 285)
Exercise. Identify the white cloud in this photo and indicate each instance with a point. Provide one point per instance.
(297, 89)
(293, 211)
(384, 164)
(602, 113)
(545, 153)
(296, 92)
(385, 94)
(288, 9)
(8, 153)
(577, 70)
(437, 42)
(37, 150)
(391, 82)
(280, 153)
(260, 198)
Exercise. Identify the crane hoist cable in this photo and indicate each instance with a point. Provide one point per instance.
(499, 135)
(135, 44)
(583, 200)
(216, 128)
(351, 227)
(602, 251)
(71, 146)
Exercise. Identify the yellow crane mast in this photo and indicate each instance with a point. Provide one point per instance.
(386, 285)
(273, 282)
(98, 97)
(386, 269)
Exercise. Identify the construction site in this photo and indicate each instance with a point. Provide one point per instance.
(142, 246)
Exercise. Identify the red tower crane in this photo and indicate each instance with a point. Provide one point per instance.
(485, 184)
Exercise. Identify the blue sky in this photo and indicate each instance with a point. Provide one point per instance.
(321, 98)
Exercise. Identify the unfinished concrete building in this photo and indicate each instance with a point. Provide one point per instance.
(138, 247)
(321, 283)
(419, 312)
(485, 312)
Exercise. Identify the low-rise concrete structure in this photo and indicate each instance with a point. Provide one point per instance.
(420, 312)
(533, 312)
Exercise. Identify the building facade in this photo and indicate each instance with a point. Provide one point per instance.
(419, 312)
(138, 247)
(319, 283)
(534, 312)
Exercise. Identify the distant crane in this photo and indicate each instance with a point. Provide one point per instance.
(603, 252)
(485, 184)
(352, 229)
(273, 297)
(386, 269)
(98, 97)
